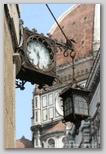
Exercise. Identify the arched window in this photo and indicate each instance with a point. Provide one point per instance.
(42, 145)
(63, 139)
(51, 143)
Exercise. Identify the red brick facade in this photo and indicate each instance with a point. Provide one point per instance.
(24, 143)
(78, 24)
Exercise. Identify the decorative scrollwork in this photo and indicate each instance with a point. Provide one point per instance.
(20, 84)
(68, 48)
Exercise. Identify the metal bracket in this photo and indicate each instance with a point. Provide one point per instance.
(20, 84)
(67, 46)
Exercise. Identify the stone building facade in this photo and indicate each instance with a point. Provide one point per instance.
(89, 132)
(11, 41)
(82, 23)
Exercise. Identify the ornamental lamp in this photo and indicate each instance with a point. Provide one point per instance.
(75, 105)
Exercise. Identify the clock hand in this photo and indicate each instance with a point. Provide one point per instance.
(38, 56)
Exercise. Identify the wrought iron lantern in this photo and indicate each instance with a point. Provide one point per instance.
(75, 105)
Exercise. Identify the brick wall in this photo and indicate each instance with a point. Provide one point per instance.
(24, 143)
(78, 24)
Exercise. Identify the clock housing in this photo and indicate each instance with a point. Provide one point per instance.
(38, 57)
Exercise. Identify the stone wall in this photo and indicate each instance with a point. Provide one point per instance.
(9, 81)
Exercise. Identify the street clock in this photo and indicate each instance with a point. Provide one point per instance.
(38, 57)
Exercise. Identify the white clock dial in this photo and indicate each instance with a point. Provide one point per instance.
(39, 55)
(59, 105)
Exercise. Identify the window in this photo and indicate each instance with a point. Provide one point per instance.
(68, 106)
(51, 113)
(64, 141)
(36, 116)
(44, 101)
(36, 141)
(71, 144)
(51, 143)
(81, 105)
(36, 102)
(50, 97)
(44, 115)
(42, 145)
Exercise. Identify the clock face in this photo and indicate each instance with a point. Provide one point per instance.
(39, 55)
(59, 105)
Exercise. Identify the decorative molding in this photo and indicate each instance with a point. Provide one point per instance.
(95, 73)
(77, 62)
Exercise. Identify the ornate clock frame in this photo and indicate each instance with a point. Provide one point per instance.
(28, 71)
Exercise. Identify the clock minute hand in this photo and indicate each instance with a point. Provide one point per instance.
(38, 56)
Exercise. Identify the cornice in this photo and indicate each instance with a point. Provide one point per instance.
(94, 75)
